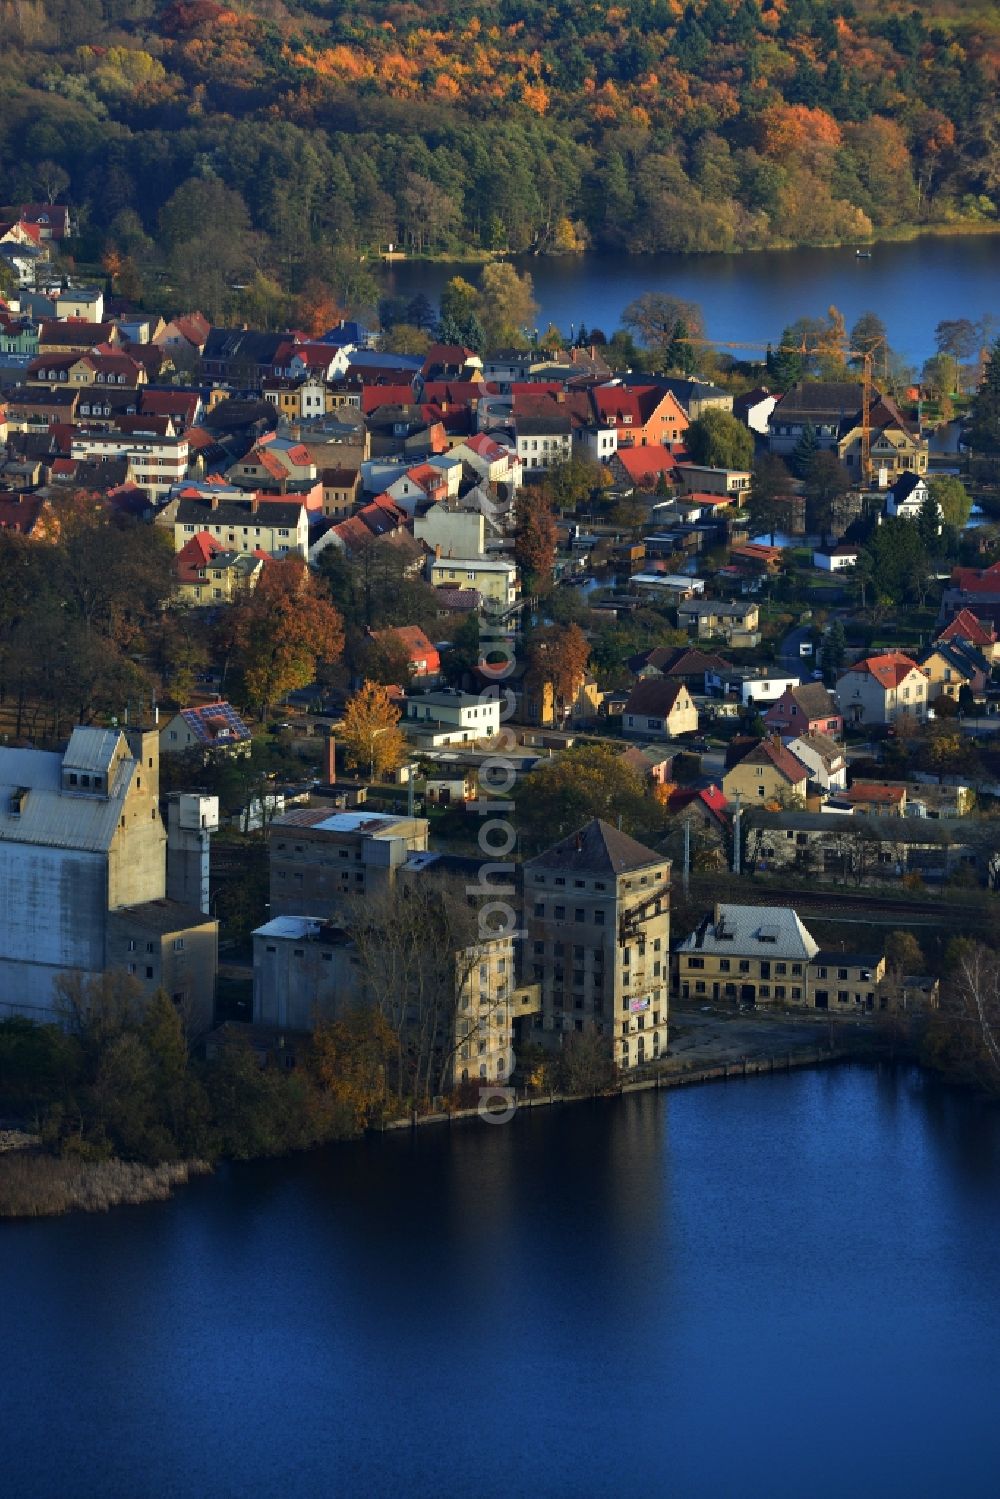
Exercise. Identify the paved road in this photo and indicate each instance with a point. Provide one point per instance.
(788, 651)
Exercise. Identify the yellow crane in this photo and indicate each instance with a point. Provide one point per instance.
(867, 357)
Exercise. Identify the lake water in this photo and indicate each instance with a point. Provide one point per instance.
(912, 286)
(787, 1286)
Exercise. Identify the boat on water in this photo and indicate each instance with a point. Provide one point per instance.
(863, 254)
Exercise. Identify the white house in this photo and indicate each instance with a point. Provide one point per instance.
(823, 758)
(882, 689)
(907, 496)
(450, 717)
(837, 559)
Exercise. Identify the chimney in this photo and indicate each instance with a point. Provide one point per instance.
(330, 760)
(213, 501)
(255, 503)
(561, 397)
(437, 551)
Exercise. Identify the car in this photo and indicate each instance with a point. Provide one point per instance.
(281, 728)
(700, 746)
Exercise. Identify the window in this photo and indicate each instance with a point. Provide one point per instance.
(539, 908)
(149, 972)
(560, 912)
(131, 944)
(579, 914)
(178, 944)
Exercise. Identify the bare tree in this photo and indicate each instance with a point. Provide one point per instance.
(418, 947)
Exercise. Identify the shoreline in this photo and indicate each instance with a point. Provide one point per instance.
(897, 234)
(706, 1047)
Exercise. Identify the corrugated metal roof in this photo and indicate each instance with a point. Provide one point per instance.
(53, 818)
(91, 749)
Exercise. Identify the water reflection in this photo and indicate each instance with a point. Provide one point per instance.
(778, 1286)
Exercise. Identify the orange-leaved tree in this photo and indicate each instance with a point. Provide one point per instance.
(282, 631)
(370, 730)
(558, 655)
(535, 540)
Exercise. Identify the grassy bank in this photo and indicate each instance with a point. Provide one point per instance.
(37, 1185)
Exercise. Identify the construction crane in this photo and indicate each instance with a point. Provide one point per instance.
(867, 357)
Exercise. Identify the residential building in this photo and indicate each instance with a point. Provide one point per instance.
(734, 620)
(640, 415)
(881, 689)
(423, 655)
(321, 860)
(214, 728)
(751, 685)
(278, 527)
(208, 575)
(766, 773)
(544, 435)
(433, 719)
(450, 529)
(660, 707)
(823, 758)
(493, 578)
(341, 491)
(976, 632)
(156, 463)
(874, 799)
(950, 665)
(597, 915)
(907, 496)
(806, 709)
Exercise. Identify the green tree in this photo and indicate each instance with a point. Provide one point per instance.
(826, 483)
(716, 438)
(586, 781)
(507, 303)
(869, 334)
(984, 417)
(897, 563)
(952, 499)
(770, 496)
(929, 524)
(833, 651)
(805, 451)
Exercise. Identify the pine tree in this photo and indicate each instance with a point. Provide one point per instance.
(805, 450)
(929, 523)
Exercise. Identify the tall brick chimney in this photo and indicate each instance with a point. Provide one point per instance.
(330, 760)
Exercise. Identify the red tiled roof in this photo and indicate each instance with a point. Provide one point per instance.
(870, 791)
(888, 670)
(965, 626)
(646, 463)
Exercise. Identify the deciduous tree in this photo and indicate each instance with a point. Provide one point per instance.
(370, 730)
(282, 631)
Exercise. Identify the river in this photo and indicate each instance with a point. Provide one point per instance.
(780, 1287)
(912, 285)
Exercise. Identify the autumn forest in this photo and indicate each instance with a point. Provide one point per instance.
(280, 139)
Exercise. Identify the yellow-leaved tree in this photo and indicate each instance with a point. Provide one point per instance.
(370, 730)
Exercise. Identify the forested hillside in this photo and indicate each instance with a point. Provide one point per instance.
(448, 124)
